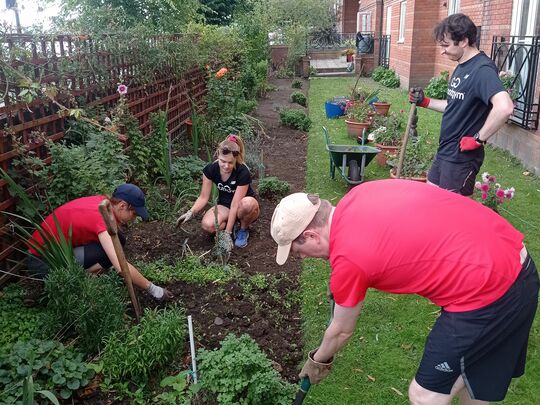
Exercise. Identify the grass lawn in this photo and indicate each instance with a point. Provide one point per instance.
(381, 358)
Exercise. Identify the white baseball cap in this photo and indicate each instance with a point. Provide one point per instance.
(291, 217)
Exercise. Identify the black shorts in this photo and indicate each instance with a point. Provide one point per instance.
(456, 177)
(487, 347)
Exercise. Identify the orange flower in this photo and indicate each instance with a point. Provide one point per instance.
(221, 72)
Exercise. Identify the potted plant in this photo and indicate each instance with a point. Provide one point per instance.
(418, 158)
(349, 52)
(358, 120)
(381, 107)
(387, 135)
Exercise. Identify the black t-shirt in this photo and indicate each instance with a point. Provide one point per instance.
(472, 84)
(239, 177)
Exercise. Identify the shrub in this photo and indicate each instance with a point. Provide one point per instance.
(74, 309)
(240, 373)
(378, 73)
(438, 86)
(295, 119)
(299, 98)
(152, 344)
(297, 84)
(390, 79)
(273, 187)
(52, 366)
(187, 168)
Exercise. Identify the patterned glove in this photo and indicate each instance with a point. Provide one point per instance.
(416, 95)
(184, 218)
(315, 371)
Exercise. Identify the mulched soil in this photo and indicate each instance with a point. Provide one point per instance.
(270, 319)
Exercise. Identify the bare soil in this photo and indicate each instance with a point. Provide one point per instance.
(273, 320)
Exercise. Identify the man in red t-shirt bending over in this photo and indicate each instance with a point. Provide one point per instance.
(406, 237)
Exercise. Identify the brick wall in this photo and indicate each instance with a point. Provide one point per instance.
(350, 8)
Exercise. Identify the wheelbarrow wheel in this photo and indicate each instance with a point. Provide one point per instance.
(354, 171)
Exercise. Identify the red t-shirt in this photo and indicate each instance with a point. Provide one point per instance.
(82, 215)
(407, 237)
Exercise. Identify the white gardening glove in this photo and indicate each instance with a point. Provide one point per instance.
(184, 218)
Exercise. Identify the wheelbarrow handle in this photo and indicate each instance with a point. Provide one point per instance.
(302, 392)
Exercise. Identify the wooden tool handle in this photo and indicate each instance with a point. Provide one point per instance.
(412, 113)
(105, 209)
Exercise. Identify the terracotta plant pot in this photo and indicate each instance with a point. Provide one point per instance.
(422, 178)
(356, 129)
(386, 151)
(381, 108)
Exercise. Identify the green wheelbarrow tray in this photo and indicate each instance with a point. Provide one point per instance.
(351, 160)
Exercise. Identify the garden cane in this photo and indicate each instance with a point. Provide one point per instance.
(105, 209)
(305, 383)
(412, 114)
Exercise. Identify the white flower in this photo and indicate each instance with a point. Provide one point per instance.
(485, 176)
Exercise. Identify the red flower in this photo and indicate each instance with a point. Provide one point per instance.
(221, 72)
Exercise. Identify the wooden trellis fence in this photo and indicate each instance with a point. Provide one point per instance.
(50, 61)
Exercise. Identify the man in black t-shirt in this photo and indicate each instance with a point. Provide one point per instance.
(476, 107)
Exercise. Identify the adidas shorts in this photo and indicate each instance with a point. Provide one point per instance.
(487, 346)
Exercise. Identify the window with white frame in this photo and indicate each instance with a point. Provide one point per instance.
(365, 22)
(453, 6)
(402, 14)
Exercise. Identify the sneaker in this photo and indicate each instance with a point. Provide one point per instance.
(242, 237)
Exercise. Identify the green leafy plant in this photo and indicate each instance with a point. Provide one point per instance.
(162, 156)
(52, 366)
(284, 73)
(73, 310)
(378, 73)
(418, 158)
(299, 98)
(297, 84)
(190, 269)
(363, 95)
(510, 83)
(179, 390)
(438, 86)
(18, 322)
(388, 129)
(295, 119)
(240, 373)
(359, 112)
(272, 187)
(490, 193)
(29, 393)
(153, 343)
(390, 79)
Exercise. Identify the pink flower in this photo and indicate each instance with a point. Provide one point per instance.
(492, 179)
(484, 196)
(122, 89)
(484, 187)
(478, 185)
(499, 193)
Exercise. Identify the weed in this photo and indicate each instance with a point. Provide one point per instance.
(297, 84)
(273, 187)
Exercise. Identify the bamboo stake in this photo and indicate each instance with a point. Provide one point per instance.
(412, 113)
(105, 209)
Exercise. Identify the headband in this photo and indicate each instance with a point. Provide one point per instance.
(232, 138)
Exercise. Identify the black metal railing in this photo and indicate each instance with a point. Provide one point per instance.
(384, 51)
(330, 40)
(519, 55)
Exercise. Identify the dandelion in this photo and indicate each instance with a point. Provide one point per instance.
(221, 72)
(122, 89)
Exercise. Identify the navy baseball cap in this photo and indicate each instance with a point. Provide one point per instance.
(134, 196)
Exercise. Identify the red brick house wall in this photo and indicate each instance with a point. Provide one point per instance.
(350, 8)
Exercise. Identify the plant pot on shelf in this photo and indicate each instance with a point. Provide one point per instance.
(385, 153)
(381, 108)
(356, 129)
(422, 178)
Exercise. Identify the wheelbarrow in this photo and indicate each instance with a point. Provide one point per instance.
(351, 160)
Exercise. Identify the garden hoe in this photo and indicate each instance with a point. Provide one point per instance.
(105, 209)
(410, 123)
(305, 383)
